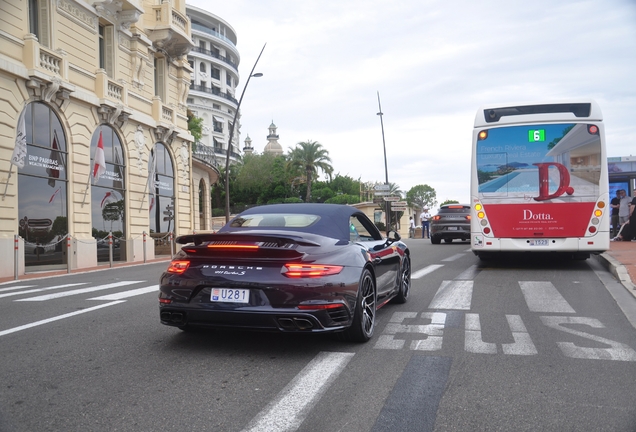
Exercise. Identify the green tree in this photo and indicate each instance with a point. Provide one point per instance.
(195, 126)
(307, 158)
(421, 196)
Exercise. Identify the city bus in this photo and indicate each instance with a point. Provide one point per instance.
(539, 180)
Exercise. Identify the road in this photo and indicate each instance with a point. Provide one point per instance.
(516, 345)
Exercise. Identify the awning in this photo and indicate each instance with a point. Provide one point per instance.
(219, 119)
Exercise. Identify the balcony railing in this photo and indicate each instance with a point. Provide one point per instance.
(211, 32)
(214, 91)
(214, 54)
(215, 156)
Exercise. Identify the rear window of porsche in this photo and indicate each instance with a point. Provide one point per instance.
(275, 220)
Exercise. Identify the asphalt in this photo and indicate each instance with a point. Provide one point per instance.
(619, 260)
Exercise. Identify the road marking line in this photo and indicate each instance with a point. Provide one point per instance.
(455, 294)
(79, 291)
(454, 257)
(289, 409)
(468, 274)
(426, 270)
(126, 294)
(41, 289)
(16, 287)
(57, 318)
(544, 297)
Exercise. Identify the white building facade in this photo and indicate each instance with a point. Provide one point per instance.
(214, 60)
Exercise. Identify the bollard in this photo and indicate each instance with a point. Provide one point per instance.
(68, 253)
(110, 248)
(16, 244)
(171, 245)
(144, 244)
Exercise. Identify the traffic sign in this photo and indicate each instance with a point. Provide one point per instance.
(378, 201)
(398, 209)
(378, 193)
(166, 219)
(391, 198)
(399, 204)
(382, 187)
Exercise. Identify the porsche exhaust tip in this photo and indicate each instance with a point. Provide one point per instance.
(292, 324)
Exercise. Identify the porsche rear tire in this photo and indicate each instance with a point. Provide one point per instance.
(361, 329)
(404, 282)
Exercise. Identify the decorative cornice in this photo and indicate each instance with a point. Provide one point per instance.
(75, 11)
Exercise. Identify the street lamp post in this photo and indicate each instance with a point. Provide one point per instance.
(229, 144)
(386, 170)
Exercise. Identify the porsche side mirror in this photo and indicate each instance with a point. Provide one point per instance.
(393, 236)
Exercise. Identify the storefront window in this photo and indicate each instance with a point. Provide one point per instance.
(108, 204)
(42, 189)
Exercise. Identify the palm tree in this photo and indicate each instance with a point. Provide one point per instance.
(307, 157)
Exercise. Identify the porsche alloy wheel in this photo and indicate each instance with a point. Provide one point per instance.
(404, 282)
(361, 329)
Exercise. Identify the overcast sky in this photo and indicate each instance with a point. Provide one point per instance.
(434, 63)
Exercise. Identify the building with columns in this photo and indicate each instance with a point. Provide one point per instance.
(94, 135)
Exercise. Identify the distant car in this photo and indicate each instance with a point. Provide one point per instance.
(289, 268)
(450, 223)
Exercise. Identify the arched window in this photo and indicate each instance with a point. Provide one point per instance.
(202, 67)
(108, 202)
(161, 187)
(42, 188)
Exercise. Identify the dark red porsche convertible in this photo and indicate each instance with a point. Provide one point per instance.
(290, 268)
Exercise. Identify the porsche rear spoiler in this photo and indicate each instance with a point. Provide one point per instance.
(280, 239)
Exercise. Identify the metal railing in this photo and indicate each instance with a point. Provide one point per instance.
(213, 90)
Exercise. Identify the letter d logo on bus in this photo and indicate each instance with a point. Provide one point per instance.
(544, 181)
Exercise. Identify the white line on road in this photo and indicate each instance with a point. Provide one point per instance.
(126, 294)
(544, 297)
(16, 287)
(57, 318)
(468, 274)
(79, 291)
(454, 257)
(41, 289)
(455, 294)
(289, 409)
(426, 270)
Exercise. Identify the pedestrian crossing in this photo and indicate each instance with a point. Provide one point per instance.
(412, 330)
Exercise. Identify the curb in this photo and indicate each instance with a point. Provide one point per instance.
(618, 270)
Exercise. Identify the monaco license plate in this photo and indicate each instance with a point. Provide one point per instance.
(227, 295)
(541, 242)
(452, 228)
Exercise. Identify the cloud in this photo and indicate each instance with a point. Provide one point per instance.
(434, 64)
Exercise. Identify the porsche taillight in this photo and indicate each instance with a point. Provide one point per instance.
(245, 247)
(178, 266)
(310, 270)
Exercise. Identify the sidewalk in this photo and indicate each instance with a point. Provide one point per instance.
(620, 260)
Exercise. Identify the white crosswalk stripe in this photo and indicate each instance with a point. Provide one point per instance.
(544, 297)
(15, 288)
(40, 289)
(455, 294)
(127, 294)
(79, 291)
(426, 270)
